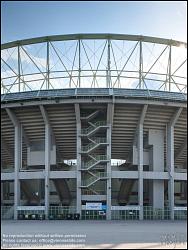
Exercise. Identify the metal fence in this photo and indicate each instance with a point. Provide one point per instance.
(125, 214)
(31, 213)
(69, 212)
(93, 215)
(61, 212)
(180, 214)
(151, 213)
(7, 212)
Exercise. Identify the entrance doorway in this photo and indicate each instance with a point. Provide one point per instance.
(93, 215)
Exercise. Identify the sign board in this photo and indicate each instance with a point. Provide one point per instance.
(94, 206)
(180, 208)
(125, 208)
(31, 208)
(103, 207)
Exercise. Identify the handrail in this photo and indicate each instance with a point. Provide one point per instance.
(92, 145)
(93, 179)
(86, 131)
(98, 158)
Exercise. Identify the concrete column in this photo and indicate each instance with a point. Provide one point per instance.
(140, 169)
(170, 159)
(156, 139)
(47, 167)
(140, 145)
(17, 158)
(110, 112)
(170, 167)
(2, 194)
(78, 150)
(17, 164)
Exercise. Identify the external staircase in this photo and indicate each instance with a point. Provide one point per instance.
(93, 164)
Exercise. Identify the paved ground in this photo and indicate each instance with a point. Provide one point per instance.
(94, 234)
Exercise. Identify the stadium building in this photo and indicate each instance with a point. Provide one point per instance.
(94, 126)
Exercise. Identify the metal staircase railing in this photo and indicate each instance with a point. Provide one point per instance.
(92, 163)
(90, 191)
(93, 142)
(95, 126)
(90, 181)
(90, 116)
(91, 146)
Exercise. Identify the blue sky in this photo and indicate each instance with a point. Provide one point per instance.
(27, 19)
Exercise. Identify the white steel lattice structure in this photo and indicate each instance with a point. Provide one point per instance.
(94, 60)
(94, 124)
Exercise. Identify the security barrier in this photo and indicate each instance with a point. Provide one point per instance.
(180, 213)
(93, 215)
(7, 212)
(63, 213)
(31, 213)
(151, 213)
(125, 214)
(69, 213)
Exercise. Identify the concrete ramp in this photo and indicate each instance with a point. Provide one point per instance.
(125, 191)
(29, 192)
(63, 191)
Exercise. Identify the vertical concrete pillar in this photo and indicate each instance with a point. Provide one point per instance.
(17, 158)
(170, 166)
(17, 164)
(78, 150)
(140, 169)
(110, 112)
(170, 159)
(156, 139)
(47, 167)
(140, 145)
(2, 193)
(47, 155)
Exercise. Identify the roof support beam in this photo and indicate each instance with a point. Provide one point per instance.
(140, 121)
(18, 134)
(143, 114)
(44, 114)
(16, 122)
(94, 36)
(48, 143)
(12, 117)
(47, 122)
(170, 159)
(140, 147)
(175, 117)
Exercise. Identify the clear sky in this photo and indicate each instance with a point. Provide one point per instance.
(27, 19)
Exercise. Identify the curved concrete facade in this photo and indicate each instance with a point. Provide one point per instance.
(76, 147)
